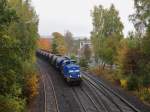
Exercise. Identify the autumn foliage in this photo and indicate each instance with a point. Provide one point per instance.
(130, 56)
(58, 45)
(18, 37)
(31, 86)
(44, 43)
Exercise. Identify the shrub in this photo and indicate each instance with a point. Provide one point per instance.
(83, 63)
(106, 73)
(11, 104)
(97, 70)
(31, 87)
(73, 56)
(146, 80)
(124, 83)
(133, 82)
(144, 94)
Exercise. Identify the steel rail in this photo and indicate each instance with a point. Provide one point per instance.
(45, 103)
(90, 98)
(54, 93)
(44, 90)
(88, 77)
(45, 94)
(105, 93)
(102, 103)
(77, 96)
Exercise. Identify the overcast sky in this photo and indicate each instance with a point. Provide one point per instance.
(75, 15)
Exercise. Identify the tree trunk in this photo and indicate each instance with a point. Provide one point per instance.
(103, 66)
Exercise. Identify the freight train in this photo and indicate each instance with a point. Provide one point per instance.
(67, 67)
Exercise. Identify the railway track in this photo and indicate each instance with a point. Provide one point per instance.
(44, 90)
(108, 103)
(81, 93)
(79, 101)
(54, 94)
(96, 95)
(121, 104)
(50, 99)
(91, 96)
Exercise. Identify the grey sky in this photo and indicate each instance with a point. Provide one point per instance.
(75, 15)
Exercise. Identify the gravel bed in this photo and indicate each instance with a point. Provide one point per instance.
(104, 102)
(85, 100)
(65, 99)
(128, 96)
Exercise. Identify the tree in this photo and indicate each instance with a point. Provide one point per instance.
(26, 28)
(145, 61)
(54, 46)
(17, 47)
(76, 46)
(87, 52)
(83, 63)
(7, 15)
(106, 34)
(44, 43)
(141, 18)
(128, 62)
(6, 43)
(69, 42)
(141, 21)
(9, 62)
(58, 44)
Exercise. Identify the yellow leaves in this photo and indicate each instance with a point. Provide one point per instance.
(144, 94)
(44, 43)
(122, 51)
(123, 83)
(62, 50)
(31, 86)
(60, 42)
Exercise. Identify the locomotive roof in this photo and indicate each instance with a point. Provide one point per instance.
(72, 66)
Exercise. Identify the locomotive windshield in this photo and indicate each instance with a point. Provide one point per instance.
(73, 61)
(67, 62)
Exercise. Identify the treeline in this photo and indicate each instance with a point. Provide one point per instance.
(128, 58)
(64, 44)
(67, 45)
(18, 36)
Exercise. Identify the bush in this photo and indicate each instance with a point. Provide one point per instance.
(124, 83)
(144, 94)
(11, 104)
(97, 70)
(133, 83)
(105, 73)
(31, 87)
(83, 63)
(146, 80)
(73, 56)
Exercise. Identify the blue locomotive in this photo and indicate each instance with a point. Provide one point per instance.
(67, 67)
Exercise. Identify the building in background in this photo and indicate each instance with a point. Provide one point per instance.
(84, 43)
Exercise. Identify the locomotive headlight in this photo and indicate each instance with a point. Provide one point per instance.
(79, 75)
(71, 71)
(70, 76)
(77, 70)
